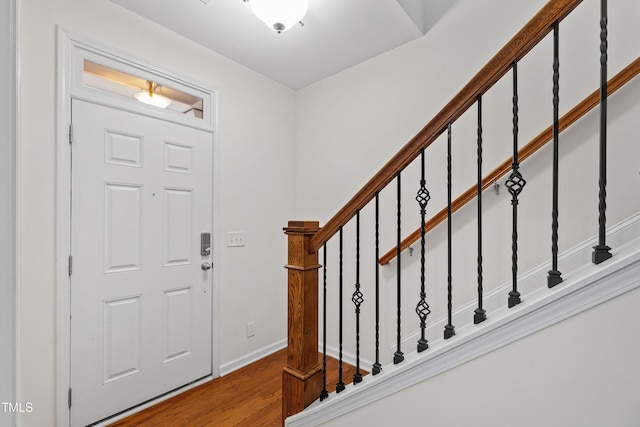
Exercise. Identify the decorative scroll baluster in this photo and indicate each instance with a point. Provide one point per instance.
(480, 313)
(340, 384)
(377, 366)
(601, 251)
(324, 393)
(422, 308)
(515, 183)
(555, 276)
(449, 329)
(357, 300)
(398, 356)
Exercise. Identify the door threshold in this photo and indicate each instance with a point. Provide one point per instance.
(151, 402)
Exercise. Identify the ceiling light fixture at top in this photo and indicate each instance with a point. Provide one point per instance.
(151, 98)
(280, 15)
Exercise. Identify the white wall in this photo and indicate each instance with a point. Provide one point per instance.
(255, 137)
(560, 376)
(373, 108)
(352, 123)
(7, 207)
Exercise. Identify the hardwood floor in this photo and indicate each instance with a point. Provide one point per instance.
(250, 396)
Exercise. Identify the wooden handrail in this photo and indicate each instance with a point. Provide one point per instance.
(619, 80)
(528, 37)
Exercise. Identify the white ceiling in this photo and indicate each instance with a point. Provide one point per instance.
(337, 34)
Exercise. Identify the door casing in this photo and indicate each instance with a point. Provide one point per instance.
(70, 50)
(9, 198)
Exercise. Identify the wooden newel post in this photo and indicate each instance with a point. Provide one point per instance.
(302, 376)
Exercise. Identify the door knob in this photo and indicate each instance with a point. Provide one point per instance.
(206, 266)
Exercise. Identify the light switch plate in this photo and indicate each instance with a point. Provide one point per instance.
(235, 239)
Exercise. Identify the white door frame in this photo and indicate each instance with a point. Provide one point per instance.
(9, 218)
(72, 48)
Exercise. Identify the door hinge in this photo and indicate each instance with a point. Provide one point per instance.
(71, 133)
(70, 265)
(69, 398)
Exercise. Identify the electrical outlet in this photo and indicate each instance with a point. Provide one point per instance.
(235, 239)
(251, 329)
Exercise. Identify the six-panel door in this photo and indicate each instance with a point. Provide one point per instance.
(140, 299)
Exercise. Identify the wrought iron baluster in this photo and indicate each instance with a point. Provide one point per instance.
(357, 300)
(555, 276)
(324, 393)
(480, 313)
(422, 308)
(601, 252)
(377, 366)
(340, 384)
(398, 356)
(449, 329)
(515, 184)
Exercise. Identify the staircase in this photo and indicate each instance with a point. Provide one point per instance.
(464, 320)
(606, 361)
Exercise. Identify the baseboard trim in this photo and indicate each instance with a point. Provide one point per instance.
(248, 359)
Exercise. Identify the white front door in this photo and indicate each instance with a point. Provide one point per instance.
(140, 287)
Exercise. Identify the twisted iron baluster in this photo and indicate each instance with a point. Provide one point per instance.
(340, 384)
(555, 276)
(398, 356)
(480, 313)
(357, 300)
(449, 329)
(377, 367)
(422, 308)
(515, 183)
(601, 251)
(324, 393)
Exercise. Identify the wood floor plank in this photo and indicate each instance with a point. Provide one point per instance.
(250, 396)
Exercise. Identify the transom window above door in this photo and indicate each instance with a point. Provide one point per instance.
(103, 75)
(108, 79)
